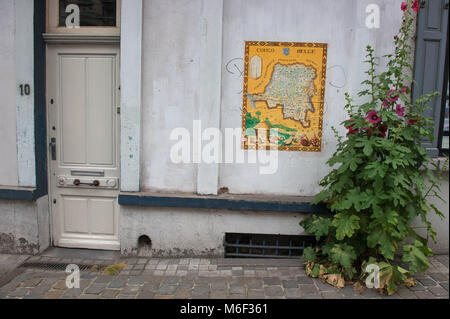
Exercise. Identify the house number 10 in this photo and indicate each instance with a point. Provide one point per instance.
(25, 89)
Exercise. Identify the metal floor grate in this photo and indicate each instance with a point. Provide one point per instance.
(57, 266)
(265, 245)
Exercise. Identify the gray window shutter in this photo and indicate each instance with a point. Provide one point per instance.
(430, 55)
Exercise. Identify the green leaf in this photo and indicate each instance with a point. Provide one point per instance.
(315, 271)
(318, 226)
(345, 224)
(368, 149)
(343, 254)
(416, 255)
(309, 254)
(380, 238)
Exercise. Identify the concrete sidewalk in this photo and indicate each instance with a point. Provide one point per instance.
(184, 278)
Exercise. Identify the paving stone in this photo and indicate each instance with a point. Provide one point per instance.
(308, 289)
(32, 282)
(137, 280)
(417, 287)
(439, 276)
(54, 294)
(272, 281)
(236, 289)
(289, 284)
(323, 286)
(219, 285)
(218, 294)
(444, 285)
(405, 293)
(125, 297)
(110, 293)
(304, 280)
(150, 267)
(60, 285)
(118, 282)
(151, 287)
(130, 290)
(139, 267)
(255, 283)
(163, 297)
(331, 295)
(424, 295)
(312, 296)
(72, 293)
(202, 280)
(292, 293)
(438, 291)
(103, 279)
(183, 293)
(372, 294)
(201, 289)
(427, 282)
(19, 292)
(95, 289)
(186, 284)
(145, 295)
(273, 291)
(166, 290)
(171, 280)
(255, 294)
(10, 287)
(135, 272)
(237, 272)
(386, 296)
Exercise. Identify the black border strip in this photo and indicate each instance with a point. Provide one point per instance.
(220, 203)
(40, 116)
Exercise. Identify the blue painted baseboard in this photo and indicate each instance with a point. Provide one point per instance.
(208, 202)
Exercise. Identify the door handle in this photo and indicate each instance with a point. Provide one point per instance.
(52, 147)
(95, 183)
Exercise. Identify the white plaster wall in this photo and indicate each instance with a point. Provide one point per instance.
(24, 226)
(8, 157)
(341, 24)
(441, 226)
(170, 86)
(196, 232)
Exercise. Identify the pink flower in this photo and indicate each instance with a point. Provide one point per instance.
(392, 98)
(385, 103)
(383, 129)
(404, 90)
(414, 121)
(400, 110)
(373, 117)
(404, 6)
(416, 6)
(350, 128)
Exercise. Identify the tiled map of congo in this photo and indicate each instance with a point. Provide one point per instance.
(284, 88)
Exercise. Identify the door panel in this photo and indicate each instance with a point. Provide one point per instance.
(82, 94)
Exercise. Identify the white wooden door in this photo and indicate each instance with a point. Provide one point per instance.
(83, 137)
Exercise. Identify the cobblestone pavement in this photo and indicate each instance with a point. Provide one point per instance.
(196, 278)
(9, 262)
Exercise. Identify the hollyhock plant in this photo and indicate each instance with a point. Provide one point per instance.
(373, 117)
(404, 6)
(392, 97)
(383, 129)
(416, 6)
(400, 110)
(376, 186)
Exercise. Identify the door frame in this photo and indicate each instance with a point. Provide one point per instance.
(48, 88)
